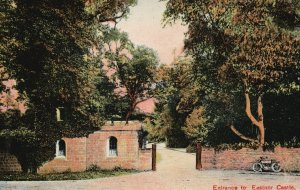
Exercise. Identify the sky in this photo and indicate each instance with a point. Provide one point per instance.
(144, 27)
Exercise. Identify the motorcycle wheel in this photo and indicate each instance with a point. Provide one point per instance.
(257, 167)
(276, 167)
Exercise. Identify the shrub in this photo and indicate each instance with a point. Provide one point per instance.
(191, 149)
(93, 168)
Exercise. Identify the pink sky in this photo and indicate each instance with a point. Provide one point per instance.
(144, 27)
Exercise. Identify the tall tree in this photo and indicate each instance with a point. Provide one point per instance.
(242, 47)
(54, 50)
(137, 76)
(134, 68)
(177, 95)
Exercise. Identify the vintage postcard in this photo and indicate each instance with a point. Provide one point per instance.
(150, 95)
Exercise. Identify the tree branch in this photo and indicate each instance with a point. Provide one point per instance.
(113, 19)
(248, 111)
(234, 130)
(259, 109)
(143, 100)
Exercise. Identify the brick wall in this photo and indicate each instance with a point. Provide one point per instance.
(9, 163)
(81, 153)
(127, 150)
(289, 158)
(145, 159)
(75, 159)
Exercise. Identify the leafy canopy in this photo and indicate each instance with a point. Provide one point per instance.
(53, 49)
(239, 47)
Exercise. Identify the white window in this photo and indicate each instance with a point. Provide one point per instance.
(59, 114)
(60, 148)
(112, 146)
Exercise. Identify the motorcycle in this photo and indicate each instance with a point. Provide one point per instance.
(265, 164)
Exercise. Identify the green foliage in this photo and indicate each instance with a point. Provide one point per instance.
(191, 148)
(93, 168)
(196, 127)
(109, 10)
(134, 68)
(53, 48)
(239, 47)
(116, 106)
(236, 146)
(154, 129)
(177, 93)
(268, 146)
(94, 174)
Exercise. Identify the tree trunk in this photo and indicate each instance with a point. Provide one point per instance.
(130, 111)
(132, 108)
(234, 130)
(259, 123)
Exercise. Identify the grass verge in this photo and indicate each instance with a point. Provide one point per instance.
(89, 174)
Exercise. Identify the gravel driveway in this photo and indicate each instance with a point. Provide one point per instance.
(174, 172)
